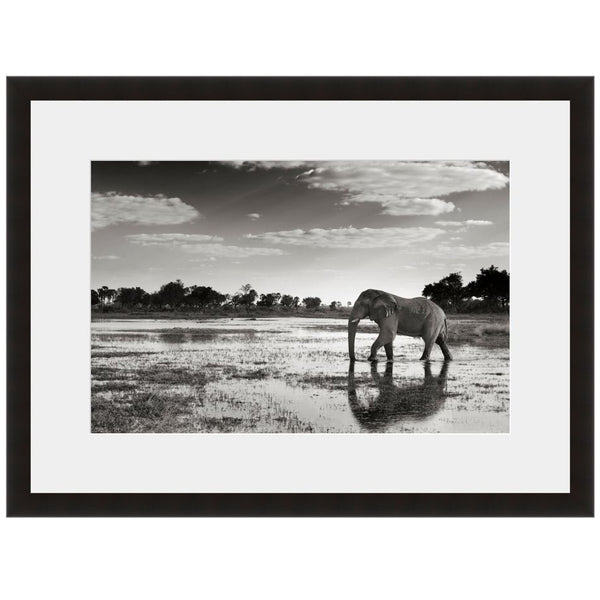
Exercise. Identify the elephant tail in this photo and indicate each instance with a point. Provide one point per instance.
(445, 328)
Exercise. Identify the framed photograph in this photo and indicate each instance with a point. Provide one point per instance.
(309, 296)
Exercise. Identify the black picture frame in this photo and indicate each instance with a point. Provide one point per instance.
(578, 91)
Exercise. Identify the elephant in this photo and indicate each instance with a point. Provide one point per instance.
(395, 403)
(416, 317)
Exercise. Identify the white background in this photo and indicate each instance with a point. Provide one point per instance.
(466, 558)
(66, 136)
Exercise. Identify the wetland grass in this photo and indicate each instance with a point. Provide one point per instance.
(291, 376)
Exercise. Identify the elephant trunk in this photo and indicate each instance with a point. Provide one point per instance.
(352, 327)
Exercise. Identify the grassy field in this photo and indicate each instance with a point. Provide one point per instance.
(292, 375)
(487, 329)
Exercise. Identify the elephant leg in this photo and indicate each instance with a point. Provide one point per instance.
(389, 351)
(386, 336)
(427, 349)
(441, 342)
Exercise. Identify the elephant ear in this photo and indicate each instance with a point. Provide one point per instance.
(382, 306)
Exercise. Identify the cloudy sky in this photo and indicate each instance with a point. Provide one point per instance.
(327, 229)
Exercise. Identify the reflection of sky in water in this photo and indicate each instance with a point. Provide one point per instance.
(299, 367)
(286, 324)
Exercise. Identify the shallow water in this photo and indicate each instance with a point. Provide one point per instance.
(287, 375)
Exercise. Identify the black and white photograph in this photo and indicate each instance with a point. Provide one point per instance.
(300, 296)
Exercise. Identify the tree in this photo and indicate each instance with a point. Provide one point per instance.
(235, 300)
(247, 299)
(106, 294)
(287, 301)
(154, 299)
(493, 286)
(448, 292)
(203, 296)
(131, 296)
(172, 293)
(95, 298)
(311, 302)
(335, 305)
(269, 299)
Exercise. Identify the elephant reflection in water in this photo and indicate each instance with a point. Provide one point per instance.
(397, 403)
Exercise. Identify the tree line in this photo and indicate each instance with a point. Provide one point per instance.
(175, 295)
(488, 292)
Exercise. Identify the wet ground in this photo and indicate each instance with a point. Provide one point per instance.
(292, 375)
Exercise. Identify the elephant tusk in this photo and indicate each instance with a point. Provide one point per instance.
(355, 321)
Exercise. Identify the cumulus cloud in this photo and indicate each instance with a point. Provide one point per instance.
(266, 165)
(253, 216)
(112, 208)
(207, 245)
(171, 239)
(460, 226)
(450, 223)
(400, 207)
(350, 237)
(400, 187)
(405, 179)
(478, 223)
